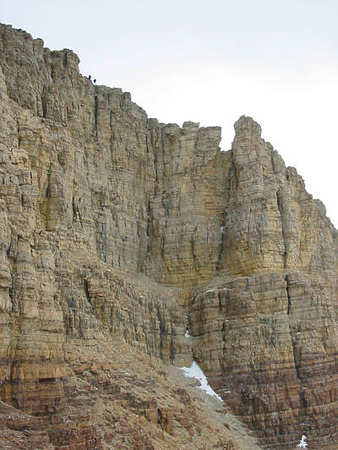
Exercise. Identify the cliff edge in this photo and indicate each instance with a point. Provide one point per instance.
(129, 246)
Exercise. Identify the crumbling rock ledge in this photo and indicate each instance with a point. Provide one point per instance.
(118, 234)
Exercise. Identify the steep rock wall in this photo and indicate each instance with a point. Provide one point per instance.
(266, 329)
(117, 226)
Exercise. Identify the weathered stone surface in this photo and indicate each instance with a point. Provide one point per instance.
(266, 329)
(119, 233)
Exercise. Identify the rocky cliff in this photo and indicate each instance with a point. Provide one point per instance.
(128, 246)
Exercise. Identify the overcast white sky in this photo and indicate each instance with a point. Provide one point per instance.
(211, 62)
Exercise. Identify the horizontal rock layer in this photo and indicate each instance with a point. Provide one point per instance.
(117, 227)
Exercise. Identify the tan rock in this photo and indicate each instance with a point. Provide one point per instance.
(118, 235)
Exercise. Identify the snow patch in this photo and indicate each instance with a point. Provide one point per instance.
(303, 443)
(196, 372)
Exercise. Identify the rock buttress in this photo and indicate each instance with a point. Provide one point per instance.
(265, 330)
(114, 227)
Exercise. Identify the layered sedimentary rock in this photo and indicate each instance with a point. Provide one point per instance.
(118, 231)
(272, 309)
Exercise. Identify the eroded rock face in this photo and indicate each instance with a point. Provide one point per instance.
(119, 230)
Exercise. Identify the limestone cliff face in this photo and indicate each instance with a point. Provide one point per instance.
(117, 230)
(266, 328)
